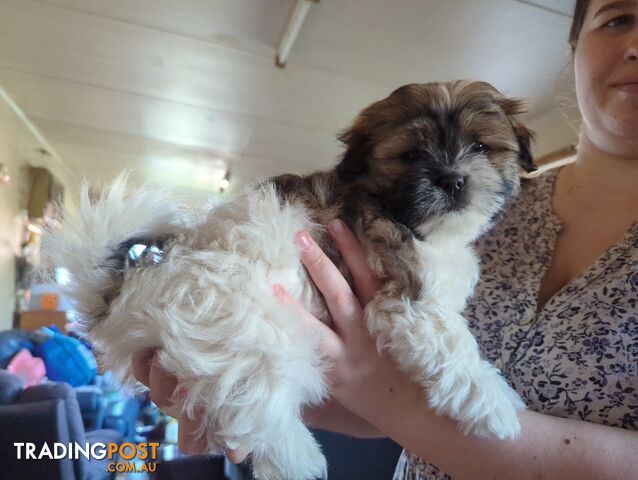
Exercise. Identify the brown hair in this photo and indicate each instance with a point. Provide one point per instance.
(580, 10)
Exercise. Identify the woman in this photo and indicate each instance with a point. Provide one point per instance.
(556, 308)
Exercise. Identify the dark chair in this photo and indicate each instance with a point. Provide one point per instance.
(121, 414)
(358, 459)
(46, 413)
(192, 468)
(92, 406)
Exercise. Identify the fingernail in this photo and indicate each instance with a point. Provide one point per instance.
(279, 291)
(336, 227)
(303, 240)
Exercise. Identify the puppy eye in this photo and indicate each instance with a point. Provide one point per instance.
(418, 155)
(140, 255)
(480, 148)
(412, 156)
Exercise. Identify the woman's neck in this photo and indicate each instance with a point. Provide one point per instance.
(602, 178)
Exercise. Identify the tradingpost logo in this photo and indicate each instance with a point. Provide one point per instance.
(125, 458)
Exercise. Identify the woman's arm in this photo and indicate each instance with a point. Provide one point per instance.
(548, 448)
(371, 397)
(369, 385)
(336, 418)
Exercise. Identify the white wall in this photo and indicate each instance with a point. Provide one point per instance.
(19, 147)
(553, 132)
(558, 126)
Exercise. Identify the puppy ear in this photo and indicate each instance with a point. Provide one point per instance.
(524, 136)
(512, 108)
(358, 147)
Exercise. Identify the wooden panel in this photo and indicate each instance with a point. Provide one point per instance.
(64, 44)
(319, 100)
(244, 24)
(135, 148)
(128, 114)
(273, 149)
(297, 150)
(100, 156)
(519, 48)
(35, 319)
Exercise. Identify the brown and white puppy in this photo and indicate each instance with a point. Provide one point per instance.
(425, 172)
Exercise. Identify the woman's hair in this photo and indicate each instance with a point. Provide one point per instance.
(580, 10)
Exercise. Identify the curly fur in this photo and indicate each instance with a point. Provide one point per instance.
(240, 355)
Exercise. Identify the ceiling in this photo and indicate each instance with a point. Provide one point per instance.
(179, 90)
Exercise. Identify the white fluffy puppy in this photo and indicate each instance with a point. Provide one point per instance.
(425, 172)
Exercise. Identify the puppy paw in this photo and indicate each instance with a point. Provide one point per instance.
(500, 420)
(293, 455)
(480, 400)
(310, 469)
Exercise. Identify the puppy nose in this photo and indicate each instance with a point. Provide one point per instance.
(459, 183)
(454, 184)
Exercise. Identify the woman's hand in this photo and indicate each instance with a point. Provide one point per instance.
(357, 369)
(358, 373)
(368, 390)
(162, 388)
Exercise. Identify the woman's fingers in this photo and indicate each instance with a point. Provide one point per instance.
(189, 443)
(186, 439)
(162, 388)
(236, 456)
(355, 258)
(162, 385)
(342, 302)
(142, 365)
(329, 343)
(344, 308)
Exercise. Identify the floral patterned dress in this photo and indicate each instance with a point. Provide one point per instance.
(578, 356)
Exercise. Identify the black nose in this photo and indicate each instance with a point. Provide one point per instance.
(453, 184)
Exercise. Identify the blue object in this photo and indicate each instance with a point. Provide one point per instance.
(11, 342)
(67, 360)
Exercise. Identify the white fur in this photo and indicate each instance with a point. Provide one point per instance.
(431, 342)
(242, 356)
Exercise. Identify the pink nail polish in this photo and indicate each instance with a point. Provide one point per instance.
(303, 240)
(336, 226)
(279, 291)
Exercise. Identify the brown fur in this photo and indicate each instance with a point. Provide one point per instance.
(364, 187)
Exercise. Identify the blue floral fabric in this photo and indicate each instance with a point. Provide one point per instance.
(577, 357)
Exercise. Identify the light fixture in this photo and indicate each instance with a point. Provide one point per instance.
(34, 228)
(5, 178)
(224, 182)
(297, 18)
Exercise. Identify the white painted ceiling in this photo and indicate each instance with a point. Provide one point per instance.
(178, 89)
